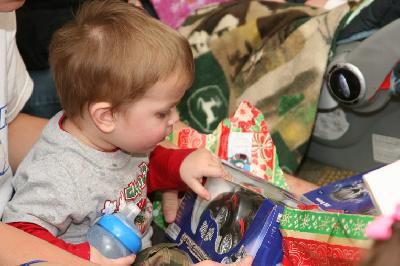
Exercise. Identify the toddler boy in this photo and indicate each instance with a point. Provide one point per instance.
(119, 74)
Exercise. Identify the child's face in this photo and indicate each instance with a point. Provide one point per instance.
(148, 120)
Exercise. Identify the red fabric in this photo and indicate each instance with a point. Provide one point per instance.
(164, 165)
(81, 250)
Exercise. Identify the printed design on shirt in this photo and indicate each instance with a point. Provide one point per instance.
(109, 207)
(135, 192)
(143, 219)
(137, 187)
(4, 165)
(3, 121)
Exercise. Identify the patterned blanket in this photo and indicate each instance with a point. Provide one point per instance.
(270, 54)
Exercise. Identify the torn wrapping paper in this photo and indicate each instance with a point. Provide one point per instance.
(323, 238)
(243, 140)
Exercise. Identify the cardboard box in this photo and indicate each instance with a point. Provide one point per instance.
(383, 184)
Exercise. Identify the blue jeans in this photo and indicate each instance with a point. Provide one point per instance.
(44, 101)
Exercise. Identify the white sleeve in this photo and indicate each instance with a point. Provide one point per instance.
(19, 83)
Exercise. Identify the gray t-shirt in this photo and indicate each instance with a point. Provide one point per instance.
(64, 185)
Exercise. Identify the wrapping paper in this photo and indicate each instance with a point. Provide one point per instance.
(242, 139)
(323, 238)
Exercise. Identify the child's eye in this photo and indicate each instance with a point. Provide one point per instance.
(162, 114)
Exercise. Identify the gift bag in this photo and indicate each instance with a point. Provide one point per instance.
(243, 140)
(323, 238)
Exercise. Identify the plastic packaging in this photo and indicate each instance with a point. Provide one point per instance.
(115, 235)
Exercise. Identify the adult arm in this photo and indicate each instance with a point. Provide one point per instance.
(81, 250)
(23, 132)
(18, 247)
(298, 186)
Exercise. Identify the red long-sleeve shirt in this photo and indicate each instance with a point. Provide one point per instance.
(164, 166)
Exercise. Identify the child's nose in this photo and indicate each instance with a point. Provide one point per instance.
(174, 116)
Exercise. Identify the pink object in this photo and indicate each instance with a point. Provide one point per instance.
(175, 12)
(381, 227)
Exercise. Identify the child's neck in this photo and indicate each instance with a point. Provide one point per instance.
(87, 135)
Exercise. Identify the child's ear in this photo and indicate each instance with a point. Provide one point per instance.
(102, 116)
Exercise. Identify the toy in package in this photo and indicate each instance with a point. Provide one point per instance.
(242, 217)
(349, 195)
(233, 223)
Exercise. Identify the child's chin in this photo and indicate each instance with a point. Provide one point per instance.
(148, 149)
(152, 147)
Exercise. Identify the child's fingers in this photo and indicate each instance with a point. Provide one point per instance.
(170, 205)
(124, 261)
(213, 171)
(247, 261)
(215, 159)
(198, 188)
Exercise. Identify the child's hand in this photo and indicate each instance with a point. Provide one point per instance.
(247, 261)
(200, 163)
(98, 258)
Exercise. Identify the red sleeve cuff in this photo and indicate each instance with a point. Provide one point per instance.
(164, 167)
(81, 250)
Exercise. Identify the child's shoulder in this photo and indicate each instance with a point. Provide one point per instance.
(49, 160)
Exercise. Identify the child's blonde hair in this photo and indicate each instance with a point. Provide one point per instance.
(113, 52)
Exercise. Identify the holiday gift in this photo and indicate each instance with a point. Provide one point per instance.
(233, 223)
(243, 140)
(243, 214)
